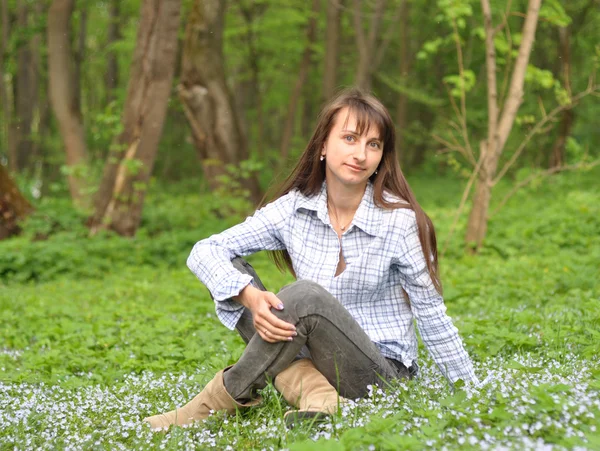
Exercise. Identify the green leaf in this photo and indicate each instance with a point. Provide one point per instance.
(553, 11)
(526, 369)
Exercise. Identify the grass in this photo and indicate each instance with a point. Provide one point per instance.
(88, 351)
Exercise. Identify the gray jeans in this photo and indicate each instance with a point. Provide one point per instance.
(327, 333)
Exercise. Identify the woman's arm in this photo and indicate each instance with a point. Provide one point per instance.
(437, 330)
(210, 259)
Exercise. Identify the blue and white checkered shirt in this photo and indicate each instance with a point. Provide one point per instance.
(383, 255)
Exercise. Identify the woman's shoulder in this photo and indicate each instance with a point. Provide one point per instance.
(401, 215)
(392, 198)
(284, 205)
(288, 198)
(398, 205)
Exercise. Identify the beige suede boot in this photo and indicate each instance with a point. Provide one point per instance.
(213, 397)
(303, 386)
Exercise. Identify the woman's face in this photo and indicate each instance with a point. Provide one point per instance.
(351, 158)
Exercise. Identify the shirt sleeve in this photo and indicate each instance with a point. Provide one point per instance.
(439, 334)
(210, 259)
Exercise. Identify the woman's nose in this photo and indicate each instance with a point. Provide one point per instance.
(361, 152)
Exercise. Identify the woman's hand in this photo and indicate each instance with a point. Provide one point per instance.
(268, 326)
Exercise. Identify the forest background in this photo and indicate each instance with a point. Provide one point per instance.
(130, 129)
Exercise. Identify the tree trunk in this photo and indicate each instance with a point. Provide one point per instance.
(417, 154)
(63, 96)
(402, 106)
(38, 97)
(27, 89)
(332, 48)
(307, 119)
(557, 157)
(121, 194)
(80, 52)
(4, 91)
(41, 147)
(498, 130)
(366, 44)
(112, 64)
(288, 128)
(207, 100)
(478, 220)
(249, 14)
(8, 100)
(23, 91)
(13, 205)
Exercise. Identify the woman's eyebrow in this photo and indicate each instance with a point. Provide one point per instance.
(374, 138)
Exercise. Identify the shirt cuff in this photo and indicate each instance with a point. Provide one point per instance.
(224, 294)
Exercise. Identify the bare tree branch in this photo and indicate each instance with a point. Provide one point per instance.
(361, 40)
(463, 95)
(507, 66)
(450, 146)
(501, 26)
(388, 35)
(546, 173)
(490, 59)
(515, 92)
(462, 204)
(590, 89)
(376, 22)
(541, 105)
(460, 129)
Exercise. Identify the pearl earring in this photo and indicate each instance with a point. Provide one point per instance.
(376, 172)
(322, 157)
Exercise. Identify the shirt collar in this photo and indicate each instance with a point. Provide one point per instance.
(368, 216)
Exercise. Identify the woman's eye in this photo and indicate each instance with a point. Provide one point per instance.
(349, 138)
(375, 144)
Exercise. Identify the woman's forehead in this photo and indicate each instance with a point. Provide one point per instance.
(360, 122)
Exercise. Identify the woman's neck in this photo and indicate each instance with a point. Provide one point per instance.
(344, 199)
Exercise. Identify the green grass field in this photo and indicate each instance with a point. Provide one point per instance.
(96, 334)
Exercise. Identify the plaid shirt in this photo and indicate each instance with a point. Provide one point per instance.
(383, 255)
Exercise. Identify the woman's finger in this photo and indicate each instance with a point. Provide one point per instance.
(269, 327)
(278, 332)
(265, 317)
(273, 300)
(273, 334)
(278, 324)
(268, 337)
(264, 335)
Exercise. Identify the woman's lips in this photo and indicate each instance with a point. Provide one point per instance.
(355, 168)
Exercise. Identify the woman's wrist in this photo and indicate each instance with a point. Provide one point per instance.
(245, 295)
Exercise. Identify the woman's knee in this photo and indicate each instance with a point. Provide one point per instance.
(305, 293)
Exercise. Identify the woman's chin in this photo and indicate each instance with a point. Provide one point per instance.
(354, 182)
(349, 179)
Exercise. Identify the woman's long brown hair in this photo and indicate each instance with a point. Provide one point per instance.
(309, 173)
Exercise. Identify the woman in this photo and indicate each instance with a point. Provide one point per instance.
(347, 224)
